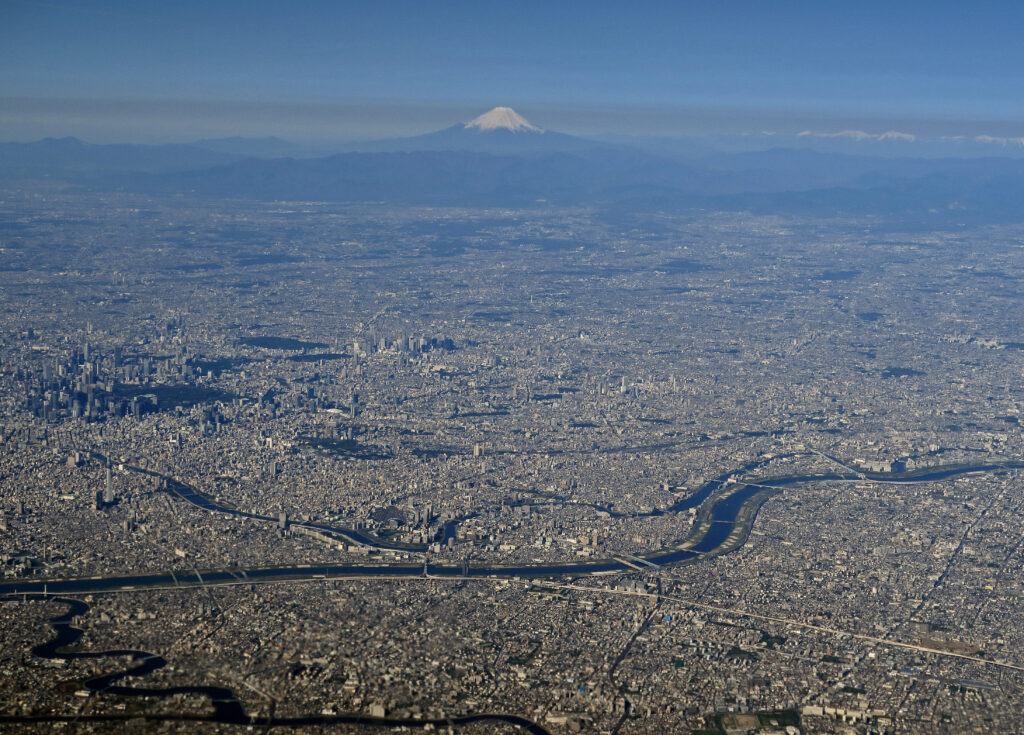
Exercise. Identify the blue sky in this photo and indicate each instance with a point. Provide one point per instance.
(321, 70)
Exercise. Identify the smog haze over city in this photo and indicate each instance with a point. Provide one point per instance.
(521, 367)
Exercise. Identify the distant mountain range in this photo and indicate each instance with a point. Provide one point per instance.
(245, 147)
(66, 158)
(501, 159)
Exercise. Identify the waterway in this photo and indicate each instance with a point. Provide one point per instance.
(227, 709)
(723, 518)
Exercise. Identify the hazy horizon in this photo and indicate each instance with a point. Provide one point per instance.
(120, 72)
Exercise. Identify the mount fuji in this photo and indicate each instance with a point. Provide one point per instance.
(503, 118)
(501, 131)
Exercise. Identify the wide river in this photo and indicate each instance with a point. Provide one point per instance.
(725, 517)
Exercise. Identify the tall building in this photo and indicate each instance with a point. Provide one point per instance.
(108, 489)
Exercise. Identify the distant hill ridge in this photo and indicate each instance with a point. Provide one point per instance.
(502, 159)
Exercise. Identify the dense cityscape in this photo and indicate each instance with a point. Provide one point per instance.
(583, 469)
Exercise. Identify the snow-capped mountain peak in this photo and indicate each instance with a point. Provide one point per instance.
(503, 118)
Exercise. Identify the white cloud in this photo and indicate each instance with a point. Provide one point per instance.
(896, 135)
(861, 135)
(998, 141)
